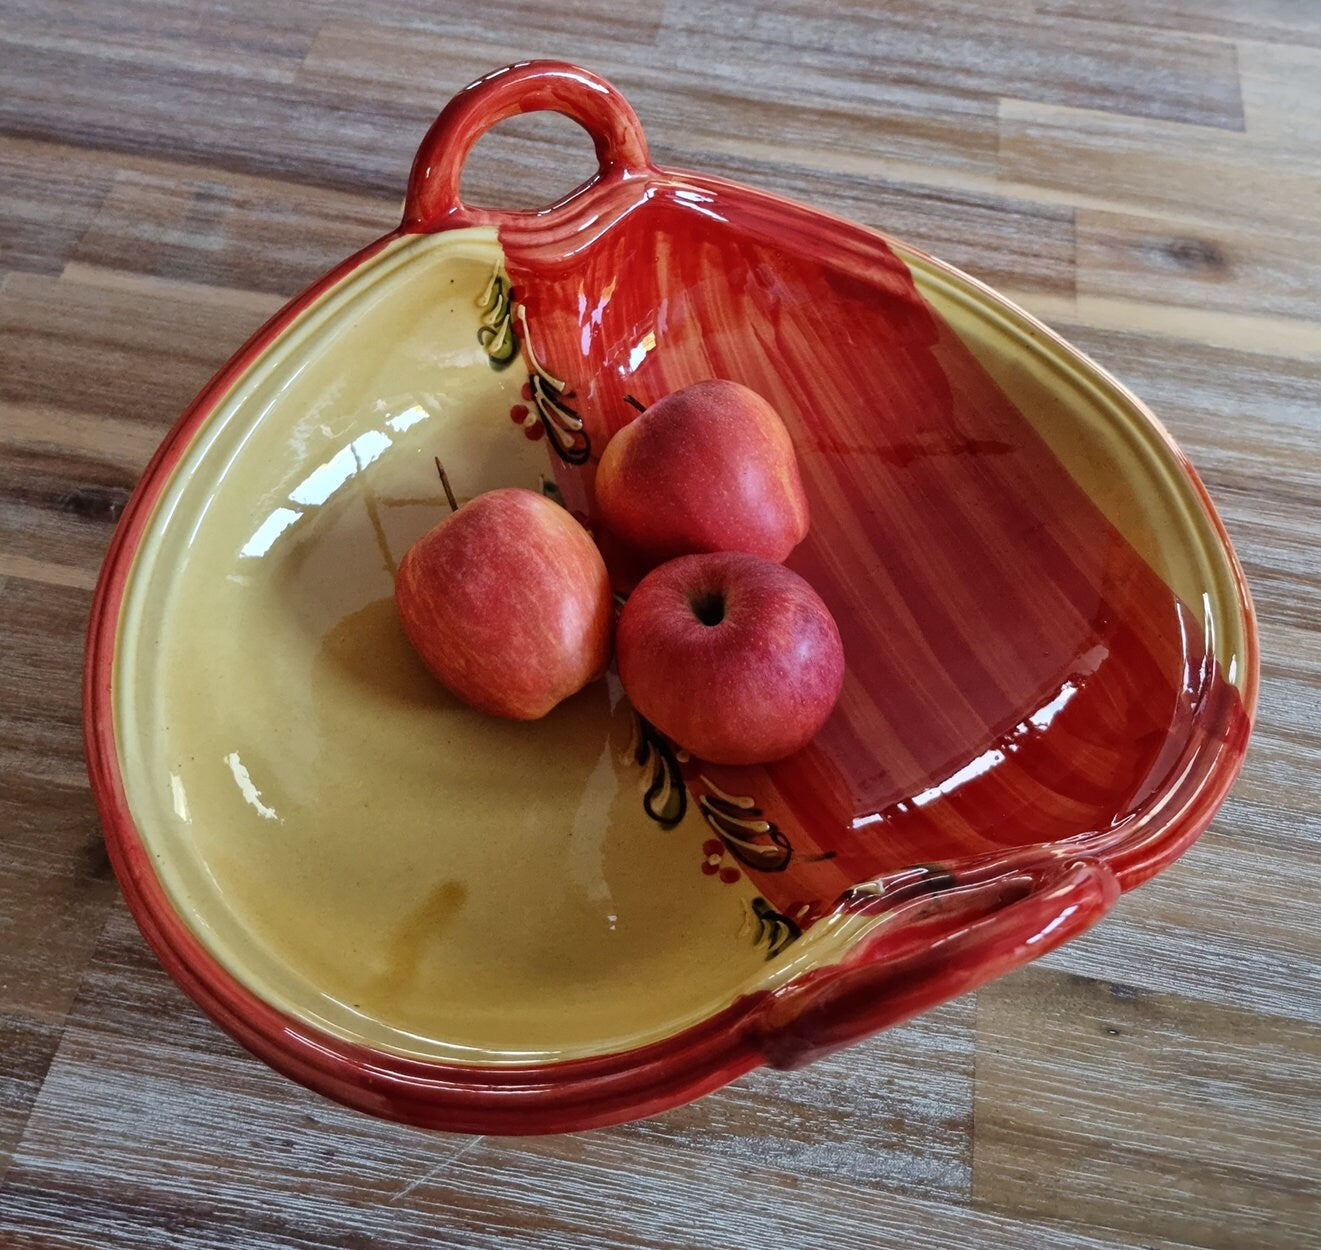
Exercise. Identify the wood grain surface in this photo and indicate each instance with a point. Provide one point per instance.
(1144, 174)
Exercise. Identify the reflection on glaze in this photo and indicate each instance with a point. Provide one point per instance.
(326, 479)
(639, 353)
(264, 536)
(323, 483)
(251, 795)
(179, 797)
(979, 765)
(317, 488)
(408, 418)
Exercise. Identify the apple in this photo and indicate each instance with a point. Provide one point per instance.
(508, 603)
(708, 468)
(733, 657)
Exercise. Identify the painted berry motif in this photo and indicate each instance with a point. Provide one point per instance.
(715, 862)
(522, 415)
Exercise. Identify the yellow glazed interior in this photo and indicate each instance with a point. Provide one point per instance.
(347, 839)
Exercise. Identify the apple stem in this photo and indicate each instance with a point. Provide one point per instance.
(445, 482)
(641, 407)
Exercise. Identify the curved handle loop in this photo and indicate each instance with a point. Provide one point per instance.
(432, 200)
(932, 949)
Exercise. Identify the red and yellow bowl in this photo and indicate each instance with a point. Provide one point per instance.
(486, 926)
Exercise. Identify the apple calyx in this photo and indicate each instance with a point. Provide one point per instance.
(708, 606)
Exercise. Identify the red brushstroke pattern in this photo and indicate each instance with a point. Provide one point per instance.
(1018, 675)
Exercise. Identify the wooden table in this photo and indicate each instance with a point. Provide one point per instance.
(1144, 174)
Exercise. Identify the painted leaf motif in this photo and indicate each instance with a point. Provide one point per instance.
(665, 798)
(774, 930)
(752, 839)
(496, 333)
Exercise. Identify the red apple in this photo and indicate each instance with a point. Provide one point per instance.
(707, 468)
(733, 657)
(508, 603)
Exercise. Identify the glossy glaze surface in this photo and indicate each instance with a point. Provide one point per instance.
(1022, 671)
(1050, 656)
(1047, 640)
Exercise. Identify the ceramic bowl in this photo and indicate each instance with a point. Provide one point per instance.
(486, 926)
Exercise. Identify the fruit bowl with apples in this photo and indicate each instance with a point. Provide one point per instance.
(802, 635)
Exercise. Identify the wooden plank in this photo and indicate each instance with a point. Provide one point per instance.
(1010, 238)
(216, 1150)
(895, 1112)
(131, 441)
(27, 1044)
(64, 480)
(1279, 92)
(126, 996)
(240, 37)
(1258, 333)
(1249, 421)
(41, 706)
(1001, 51)
(526, 162)
(55, 881)
(200, 113)
(677, 99)
(998, 238)
(43, 210)
(229, 92)
(142, 350)
(1233, 269)
(1281, 21)
(1183, 932)
(46, 571)
(1220, 1150)
(1163, 166)
(509, 24)
(228, 232)
(60, 508)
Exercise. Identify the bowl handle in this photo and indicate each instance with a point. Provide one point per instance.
(432, 201)
(929, 949)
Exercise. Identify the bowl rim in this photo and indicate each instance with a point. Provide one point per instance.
(817, 1012)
